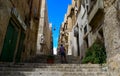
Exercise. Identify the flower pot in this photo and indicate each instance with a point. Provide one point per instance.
(51, 61)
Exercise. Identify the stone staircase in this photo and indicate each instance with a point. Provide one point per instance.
(43, 59)
(70, 59)
(36, 69)
(37, 59)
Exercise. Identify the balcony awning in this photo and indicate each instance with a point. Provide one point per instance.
(97, 19)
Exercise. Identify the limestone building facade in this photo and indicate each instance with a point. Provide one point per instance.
(32, 32)
(95, 19)
(14, 22)
(88, 26)
(44, 31)
(20, 26)
(66, 27)
(91, 24)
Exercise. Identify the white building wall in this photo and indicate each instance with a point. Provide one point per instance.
(73, 44)
(81, 22)
(84, 22)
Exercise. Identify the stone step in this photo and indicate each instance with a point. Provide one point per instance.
(55, 73)
(70, 59)
(36, 69)
(43, 59)
(50, 65)
(53, 67)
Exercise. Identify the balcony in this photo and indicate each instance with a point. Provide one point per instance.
(95, 5)
(97, 20)
(96, 15)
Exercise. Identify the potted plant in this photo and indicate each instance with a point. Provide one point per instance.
(50, 59)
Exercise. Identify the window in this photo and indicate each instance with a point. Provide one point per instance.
(83, 14)
(76, 31)
(87, 8)
(101, 32)
(87, 1)
(30, 2)
(63, 29)
(35, 12)
(86, 41)
(85, 29)
(66, 27)
(80, 29)
(75, 2)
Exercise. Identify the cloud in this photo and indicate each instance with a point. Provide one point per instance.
(55, 51)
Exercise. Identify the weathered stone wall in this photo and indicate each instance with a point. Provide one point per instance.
(44, 30)
(5, 14)
(108, 3)
(4, 19)
(31, 39)
(112, 36)
(40, 28)
(47, 32)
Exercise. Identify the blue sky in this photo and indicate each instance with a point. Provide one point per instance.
(56, 12)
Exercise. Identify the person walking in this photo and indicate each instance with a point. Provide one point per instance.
(63, 54)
